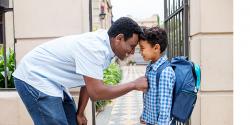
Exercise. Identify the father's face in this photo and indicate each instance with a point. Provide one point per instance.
(125, 48)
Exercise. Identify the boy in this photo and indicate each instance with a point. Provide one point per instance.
(157, 101)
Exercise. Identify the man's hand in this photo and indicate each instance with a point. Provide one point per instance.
(142, 122)
(81, 119)
(83, 100)
(141, 84)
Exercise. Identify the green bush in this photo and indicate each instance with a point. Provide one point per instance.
(10, 62)
(112, 76)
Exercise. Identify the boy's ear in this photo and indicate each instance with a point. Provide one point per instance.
(157, 47)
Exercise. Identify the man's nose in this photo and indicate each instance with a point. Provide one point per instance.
(132, 51)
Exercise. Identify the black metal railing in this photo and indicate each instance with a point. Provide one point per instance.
(7, 55)
(176, 25)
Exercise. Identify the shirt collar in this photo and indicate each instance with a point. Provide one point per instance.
(105, 36)
(112, 54)
(158, 63)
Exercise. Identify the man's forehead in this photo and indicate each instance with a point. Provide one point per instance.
(135, 39)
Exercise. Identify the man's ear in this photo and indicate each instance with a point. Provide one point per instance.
(119, 37)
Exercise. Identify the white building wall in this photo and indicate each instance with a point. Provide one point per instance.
(211, 46)
(36, 22)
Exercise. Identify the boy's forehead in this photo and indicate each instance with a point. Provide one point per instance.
(142, 41)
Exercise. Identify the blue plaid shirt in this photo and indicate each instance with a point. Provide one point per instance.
(157, 103)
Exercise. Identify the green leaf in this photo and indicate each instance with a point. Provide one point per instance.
(10, 63)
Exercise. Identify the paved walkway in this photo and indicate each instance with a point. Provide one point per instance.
(126, 109)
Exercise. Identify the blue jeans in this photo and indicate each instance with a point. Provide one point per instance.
(45, 109)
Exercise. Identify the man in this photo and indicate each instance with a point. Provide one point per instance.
(44, 75)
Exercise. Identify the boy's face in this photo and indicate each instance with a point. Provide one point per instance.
(148, 51)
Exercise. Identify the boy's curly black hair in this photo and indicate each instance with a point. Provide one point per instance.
(126, 26)
(155, 35)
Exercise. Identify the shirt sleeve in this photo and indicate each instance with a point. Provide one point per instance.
(165, 89)
(89, 60)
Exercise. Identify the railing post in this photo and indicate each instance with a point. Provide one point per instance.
(90, 29)
(4, 52)
(185, 28)
(4, 7)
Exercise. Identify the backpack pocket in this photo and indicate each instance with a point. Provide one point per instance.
(183, 105)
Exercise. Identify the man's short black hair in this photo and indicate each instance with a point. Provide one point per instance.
(155, 35)
(126, 26)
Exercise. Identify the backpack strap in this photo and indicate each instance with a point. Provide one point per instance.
(159, 70)
(198, 76)
(158, 74)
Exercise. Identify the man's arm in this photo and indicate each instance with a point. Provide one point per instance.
(83, 100)
(98, 91)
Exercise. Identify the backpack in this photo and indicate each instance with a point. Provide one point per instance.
(186, 87)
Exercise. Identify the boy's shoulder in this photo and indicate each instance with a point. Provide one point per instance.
(168, 70)
(157, 64)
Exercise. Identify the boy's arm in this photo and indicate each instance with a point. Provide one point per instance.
(165, 90)
(83, 100)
